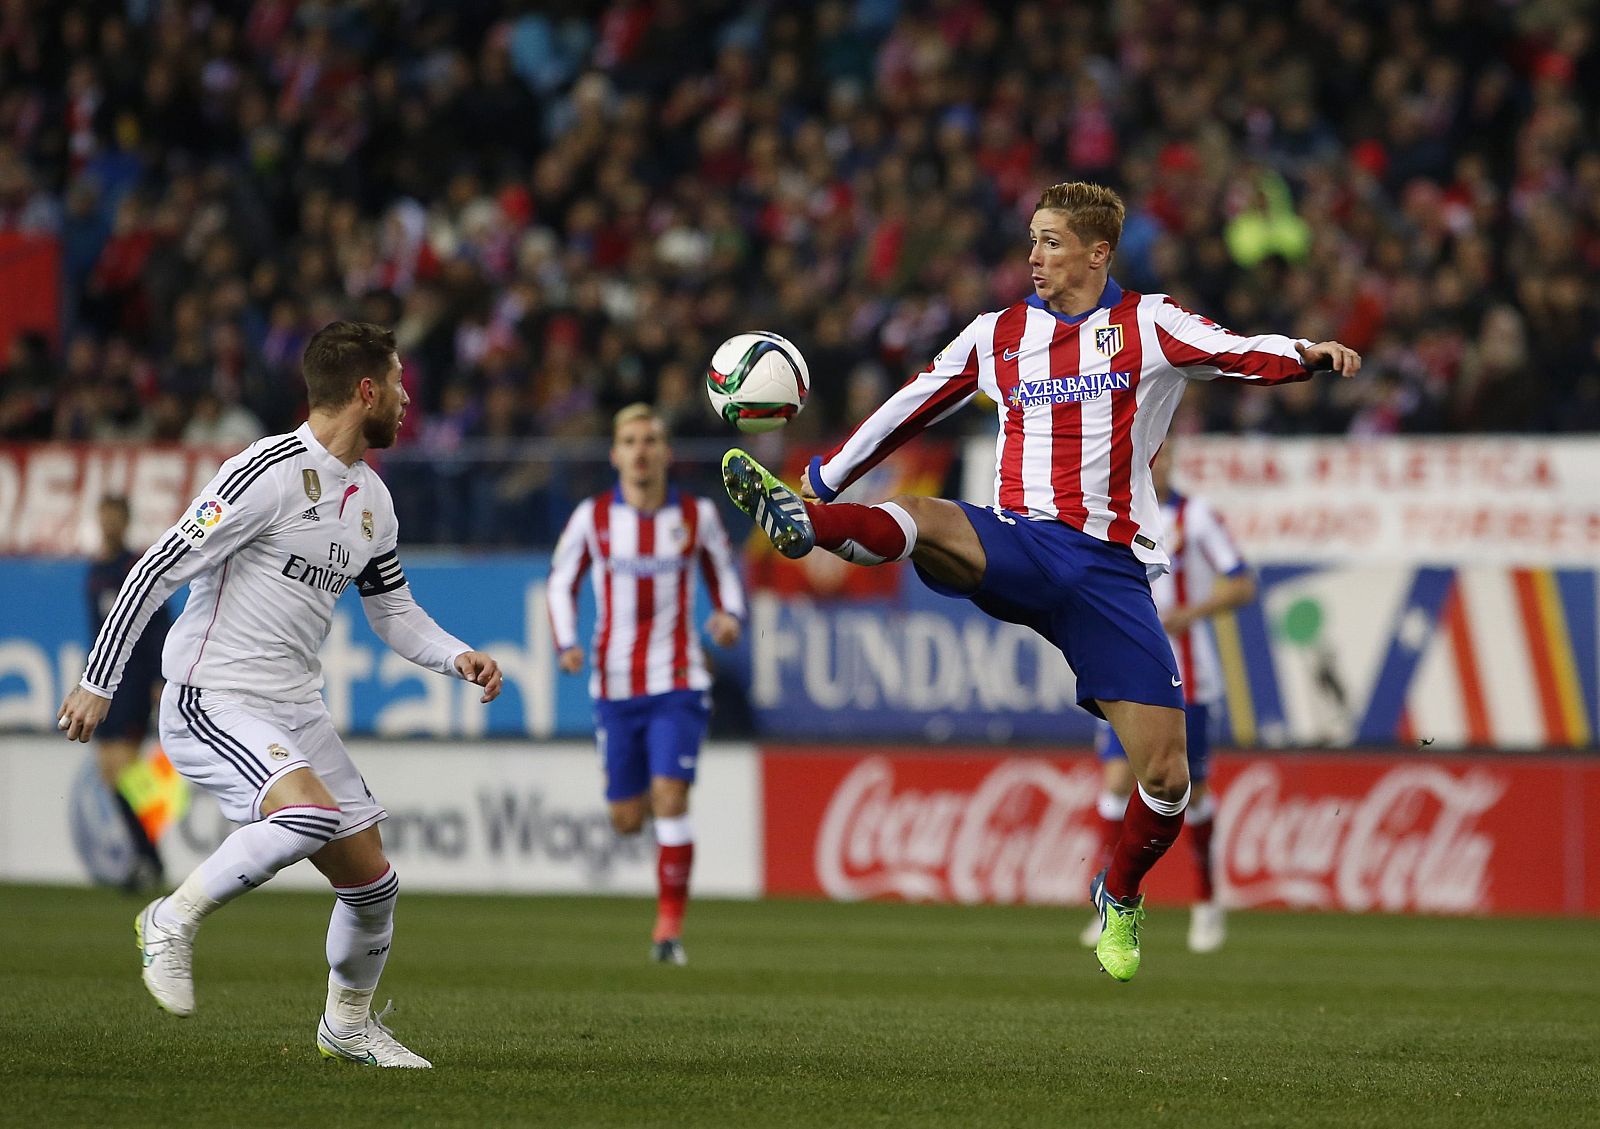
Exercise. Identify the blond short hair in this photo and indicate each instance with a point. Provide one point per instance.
(1093, 211)
(633, 412)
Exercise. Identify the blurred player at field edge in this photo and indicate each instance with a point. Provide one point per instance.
(644, 539)
(1085, 377)
(1207, 577)
(122, 734)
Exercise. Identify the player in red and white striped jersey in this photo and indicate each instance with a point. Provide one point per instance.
(1085, 377)
(1208, 576)
(646, 543)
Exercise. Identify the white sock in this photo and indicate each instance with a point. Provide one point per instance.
(359, 932)
(903, 520)
(246, 859)
(674, 831)
(1165, 807)
(1111, 806)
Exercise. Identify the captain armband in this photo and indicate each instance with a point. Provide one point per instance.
(382, 574)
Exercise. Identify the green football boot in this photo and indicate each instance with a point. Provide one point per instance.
(1118, 946)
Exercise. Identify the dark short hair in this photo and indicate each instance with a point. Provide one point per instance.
(339, 356)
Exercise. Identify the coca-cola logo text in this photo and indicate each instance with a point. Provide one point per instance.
(1409, 843)
(1025, 833)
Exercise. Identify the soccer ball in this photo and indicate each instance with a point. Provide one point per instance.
(757, 381)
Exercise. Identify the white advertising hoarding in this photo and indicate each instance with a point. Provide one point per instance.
(502, 817)
(1484, 500)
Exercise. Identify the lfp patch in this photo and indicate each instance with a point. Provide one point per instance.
(196, 525)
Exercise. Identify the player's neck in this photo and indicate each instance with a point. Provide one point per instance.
(648, 497)
(341, 434)
(1075, 301)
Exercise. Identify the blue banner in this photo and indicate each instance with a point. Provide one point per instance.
(919, 667)
(495, 603)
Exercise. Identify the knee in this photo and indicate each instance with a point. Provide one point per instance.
(1167, 775)
(372, 901)
(627, 822)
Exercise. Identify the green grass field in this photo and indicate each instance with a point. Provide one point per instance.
(543, 1011)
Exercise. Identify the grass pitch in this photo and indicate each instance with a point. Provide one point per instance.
(544, 1011)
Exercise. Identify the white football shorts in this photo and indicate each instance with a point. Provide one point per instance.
(236, 746)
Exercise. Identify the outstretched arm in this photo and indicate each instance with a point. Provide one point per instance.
(1207, 351)
(942, 388)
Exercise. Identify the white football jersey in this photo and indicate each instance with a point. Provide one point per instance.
(267, 548)
(1200, 550)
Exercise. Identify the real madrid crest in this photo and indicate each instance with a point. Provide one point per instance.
(366, 524)
(313, 485)
(276, 751)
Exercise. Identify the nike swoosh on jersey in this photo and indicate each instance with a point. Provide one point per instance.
(1011, 354)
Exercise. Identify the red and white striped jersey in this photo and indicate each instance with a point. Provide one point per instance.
(1201, 550)
(1084, 405)
(646, 640)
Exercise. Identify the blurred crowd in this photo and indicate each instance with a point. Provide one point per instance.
(563, 206)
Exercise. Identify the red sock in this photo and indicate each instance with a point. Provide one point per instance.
(1146, 835)
(872, 528)
(1200, 840)
(672, 879)
(1110, 834)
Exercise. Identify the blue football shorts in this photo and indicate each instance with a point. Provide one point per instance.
(651, 735)
(1089, 597)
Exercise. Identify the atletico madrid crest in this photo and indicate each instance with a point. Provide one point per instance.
(1108, 340)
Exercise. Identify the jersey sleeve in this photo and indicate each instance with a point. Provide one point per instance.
(944, 387)
(234, 509)
(1211, 536)
(410, 632)
(1205, 350)
(717, 563)
(567, 566)
(383, 572)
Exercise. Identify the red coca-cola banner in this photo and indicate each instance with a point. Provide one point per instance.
(1352, 833)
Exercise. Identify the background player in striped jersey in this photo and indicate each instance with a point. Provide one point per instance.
(282, 529)
(1207, 577)
(646, 542)
(1085, 377)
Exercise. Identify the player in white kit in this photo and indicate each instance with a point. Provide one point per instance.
(277, 535)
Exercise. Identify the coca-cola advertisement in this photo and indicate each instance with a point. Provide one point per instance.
(1393, 834)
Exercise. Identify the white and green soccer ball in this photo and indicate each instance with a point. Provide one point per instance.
(757, 381)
